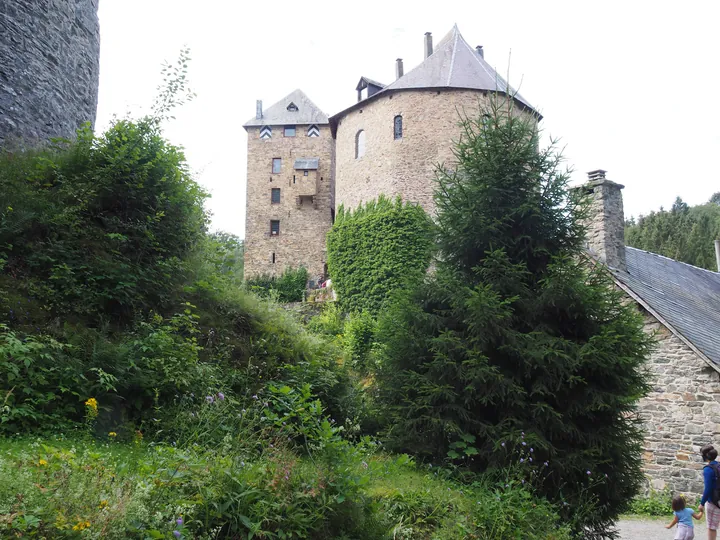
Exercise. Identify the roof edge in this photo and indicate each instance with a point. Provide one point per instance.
(335, 118)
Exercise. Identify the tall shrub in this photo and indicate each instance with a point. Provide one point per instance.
(290, 286)
(516, 341)
(381, 246)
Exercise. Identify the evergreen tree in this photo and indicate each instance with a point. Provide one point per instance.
(516, 341)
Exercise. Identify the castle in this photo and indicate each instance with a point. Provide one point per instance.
(302, 164)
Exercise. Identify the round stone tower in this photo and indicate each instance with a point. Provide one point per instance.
(391, 141)
(49, 68)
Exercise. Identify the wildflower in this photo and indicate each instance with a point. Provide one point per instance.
(255, 396)
(546, 464)
(92, 404)
(589, 473)
(209, 399)
(177, 534)
(524, 443)
(103, 504)
(365, 465)
(522, 460)
(523, 481)
(532, 450)
(221, 396)
(502, 444)
(112, 434)
(530, 460)
(81, 525)
(179, 521)
(42, 462)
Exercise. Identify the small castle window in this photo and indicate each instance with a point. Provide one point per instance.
(277, 164)
(274, 227)
(398, 127)
(289, 131)
(292, 107)
(360, 144)
(275, 195)
(273, 257)
(305, 173)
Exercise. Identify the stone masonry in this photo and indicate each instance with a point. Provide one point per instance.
(606, 227)
(681, 414)
(404, 166)
(303, 227)
(49, 67)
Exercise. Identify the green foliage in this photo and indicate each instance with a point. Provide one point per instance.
(380, 247)
(225, 252)
(100, 227)
(117, 490)
(359, 338)
(515, 340)
(684, 233)
(289, 287)
(656, 503)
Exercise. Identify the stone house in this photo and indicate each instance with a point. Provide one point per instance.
(679, 303)
(388, 142)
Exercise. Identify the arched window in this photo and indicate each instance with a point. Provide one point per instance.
(360, 144)
(397, 127)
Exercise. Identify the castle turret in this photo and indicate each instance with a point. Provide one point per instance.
(49, 68)
(289, 178)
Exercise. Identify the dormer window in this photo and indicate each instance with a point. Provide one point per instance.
(292, 107)
(289, 131)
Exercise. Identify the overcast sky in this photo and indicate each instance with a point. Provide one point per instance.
(629, 86)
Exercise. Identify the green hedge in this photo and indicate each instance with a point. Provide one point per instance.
(289, 287)
(376, 249)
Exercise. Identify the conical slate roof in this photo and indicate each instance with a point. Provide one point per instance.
(283, 113)
(454, 64)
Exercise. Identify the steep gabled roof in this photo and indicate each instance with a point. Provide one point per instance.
(453, 64)
(685, 296)
(279, 114)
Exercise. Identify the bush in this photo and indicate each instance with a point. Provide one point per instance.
(289, 287)
(378, 248)
(656, 503)
(359, 339)
(100, 227)
(515, 341)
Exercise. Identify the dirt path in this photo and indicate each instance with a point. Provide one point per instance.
(654, 529)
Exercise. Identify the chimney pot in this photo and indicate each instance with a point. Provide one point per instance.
(597, 174)
(480, 51)
(398, 68)
(428, 44)
(258, 109)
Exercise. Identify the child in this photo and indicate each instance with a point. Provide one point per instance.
(683, 518)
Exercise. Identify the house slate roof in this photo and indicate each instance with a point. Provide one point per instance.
(453, 64)
(309, 164)
(685, 296)
(279, 115)
(368, 82)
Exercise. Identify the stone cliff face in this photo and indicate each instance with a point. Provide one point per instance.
(49, 68)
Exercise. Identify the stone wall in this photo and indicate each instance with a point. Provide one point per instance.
(681, 414)
(49, 67)
(403, 166)
(303, 228)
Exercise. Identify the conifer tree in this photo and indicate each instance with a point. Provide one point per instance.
(517, 340)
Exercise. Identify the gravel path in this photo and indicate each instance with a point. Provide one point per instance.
(654, 529)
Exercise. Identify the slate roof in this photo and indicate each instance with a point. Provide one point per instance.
(687, 297)
(279, 115)
(453, 64)
(308, 164)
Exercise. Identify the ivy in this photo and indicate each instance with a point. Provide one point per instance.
(376, 249)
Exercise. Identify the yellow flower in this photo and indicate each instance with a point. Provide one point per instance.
(42, 462)
(81, 525)
(112, 434)
(103, 504)
(92, 403)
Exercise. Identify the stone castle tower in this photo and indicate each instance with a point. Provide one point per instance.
(49, 67)
(389, 142)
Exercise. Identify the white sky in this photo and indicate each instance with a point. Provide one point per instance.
(629, 86)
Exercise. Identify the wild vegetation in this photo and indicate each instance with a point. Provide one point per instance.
(148, 392)
(684, 233)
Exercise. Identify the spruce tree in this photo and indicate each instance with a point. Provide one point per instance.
(517, 340)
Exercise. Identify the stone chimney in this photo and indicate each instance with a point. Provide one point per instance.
(398, 68)
(258, 109)
(428, 44)
(480, 51)
(605, 220)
